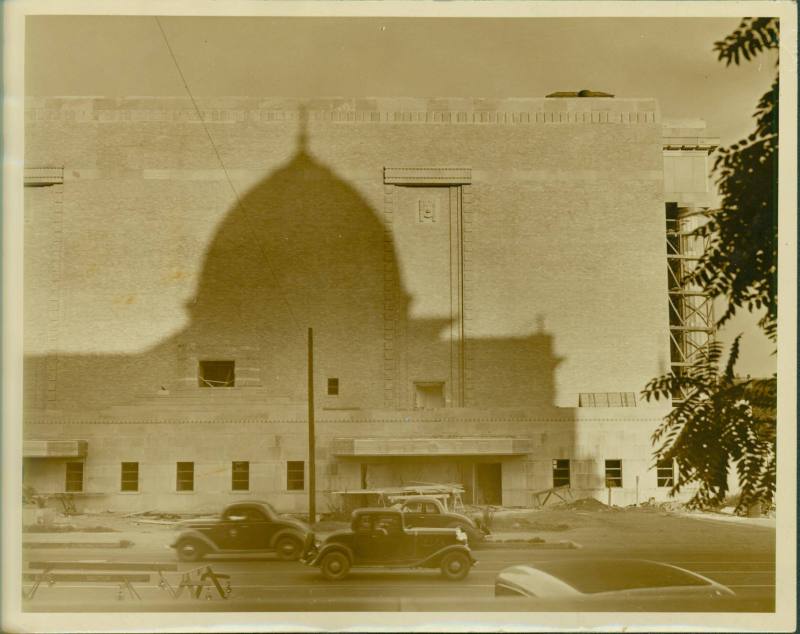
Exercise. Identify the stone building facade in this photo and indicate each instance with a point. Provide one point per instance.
(487, 282)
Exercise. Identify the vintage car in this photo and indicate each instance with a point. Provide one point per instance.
(428, 511)
(244, 528)
(593, 581)
(378, 537)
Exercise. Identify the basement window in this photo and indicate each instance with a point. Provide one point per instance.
(333, 387)
(295, 475)
(129, 478)
(561, 473)
(216, 374)
(184, 480)
(74, 477)
(665, 473)
(613, 473)
(240, 476)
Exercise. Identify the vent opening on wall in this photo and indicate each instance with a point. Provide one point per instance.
(607, 399)
(43, 176)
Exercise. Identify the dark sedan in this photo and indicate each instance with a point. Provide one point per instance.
(379, 538)
(243, 528)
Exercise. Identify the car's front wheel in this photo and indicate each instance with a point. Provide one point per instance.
(288, 548)
(335, 566)
(190, 550)
(455, 566)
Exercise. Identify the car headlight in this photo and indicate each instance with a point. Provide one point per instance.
(461, 535)
(317, 544)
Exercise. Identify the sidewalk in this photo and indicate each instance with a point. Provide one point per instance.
(763, 522)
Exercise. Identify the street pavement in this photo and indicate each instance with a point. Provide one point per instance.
(741, 557)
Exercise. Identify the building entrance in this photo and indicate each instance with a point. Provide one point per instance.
(488, 483)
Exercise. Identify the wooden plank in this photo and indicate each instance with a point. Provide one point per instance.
(103, 565)
(88, 577)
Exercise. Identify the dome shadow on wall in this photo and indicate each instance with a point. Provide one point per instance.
(304, 248)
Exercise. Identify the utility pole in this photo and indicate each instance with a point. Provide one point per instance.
(312, 475)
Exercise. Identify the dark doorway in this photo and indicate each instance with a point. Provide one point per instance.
(489, 483)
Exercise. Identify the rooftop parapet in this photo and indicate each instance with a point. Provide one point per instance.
(688, 134)
(592, 109)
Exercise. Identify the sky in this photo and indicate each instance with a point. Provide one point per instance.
(671, 59)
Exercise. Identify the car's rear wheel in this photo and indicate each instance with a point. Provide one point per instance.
(335, 566)
(190, 550)
(455, 566)
(288, 548)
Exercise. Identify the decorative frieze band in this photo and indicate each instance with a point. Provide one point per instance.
(427, 175)
(231, 115)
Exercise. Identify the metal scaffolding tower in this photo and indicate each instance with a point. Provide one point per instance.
(691, 313)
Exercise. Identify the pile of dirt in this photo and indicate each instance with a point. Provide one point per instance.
(155, 515)
(584, 504)
(671, 506)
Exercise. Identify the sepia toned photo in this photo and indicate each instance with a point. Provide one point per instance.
(399, 316)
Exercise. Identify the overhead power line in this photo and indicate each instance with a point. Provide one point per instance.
(239, 203)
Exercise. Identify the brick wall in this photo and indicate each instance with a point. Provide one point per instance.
(162, 264)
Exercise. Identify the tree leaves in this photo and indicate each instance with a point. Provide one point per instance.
(741, 255)
(721, 422)
(753, 36)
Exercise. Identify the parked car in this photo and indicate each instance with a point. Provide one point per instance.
(605, 579)
(244, 528)
(378, 537)
(429, 512)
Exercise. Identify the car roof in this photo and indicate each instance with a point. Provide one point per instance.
(256, 503)
(603, 575)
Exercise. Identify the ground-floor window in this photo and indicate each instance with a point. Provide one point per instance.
(665, 473)
(129, 478)
(295, 475)
(613, 473)
(240, 476)
(561, 473)
(184, 480)
(74, 477)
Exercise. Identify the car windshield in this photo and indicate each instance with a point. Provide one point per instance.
(590, 577)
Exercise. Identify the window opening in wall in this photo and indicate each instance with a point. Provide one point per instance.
(74, 477)
(295, 475)
(561, 473)
(129, 479)
(185, 476)
(216, 374)
(333, 387)
(665, 473)
(613, 473)
(240, 476)
(428, 395)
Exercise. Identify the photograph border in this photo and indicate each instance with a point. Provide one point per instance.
(14, 620)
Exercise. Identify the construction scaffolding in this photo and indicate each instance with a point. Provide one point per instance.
(691, 311)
